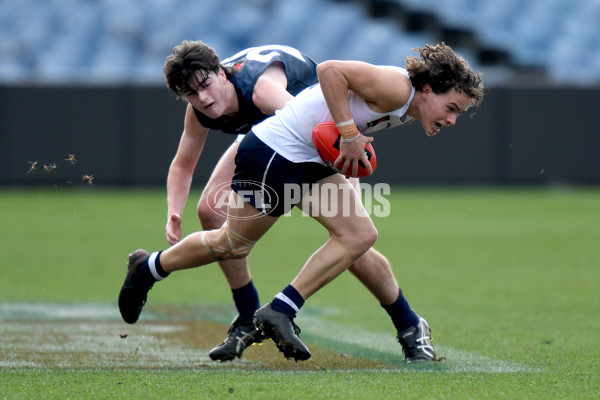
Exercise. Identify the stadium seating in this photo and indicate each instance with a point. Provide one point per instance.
(561, 36)
(115, 41)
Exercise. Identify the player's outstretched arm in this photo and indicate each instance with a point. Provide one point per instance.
(181, 172)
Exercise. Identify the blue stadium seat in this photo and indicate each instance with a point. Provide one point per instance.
(331, 30)
(100, 40)
(494, 22)
(287, 21)
(460, 13)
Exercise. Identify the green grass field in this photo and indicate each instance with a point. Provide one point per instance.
(507, 278)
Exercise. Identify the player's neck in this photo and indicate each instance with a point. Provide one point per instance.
(233, 104)
(415, 105)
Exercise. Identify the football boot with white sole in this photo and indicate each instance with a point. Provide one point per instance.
(416, 342)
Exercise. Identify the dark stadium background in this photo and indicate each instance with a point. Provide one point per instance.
(89, 82)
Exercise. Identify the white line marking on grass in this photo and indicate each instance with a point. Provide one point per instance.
(87, 336)
(73, 336)
(68, 344)
(21, 310)
(456, 360)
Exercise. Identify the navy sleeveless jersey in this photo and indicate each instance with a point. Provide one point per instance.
(251, 63)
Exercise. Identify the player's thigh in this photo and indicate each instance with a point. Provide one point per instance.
(218, 188)
(355, 182)
(338, 207)
(245, 220)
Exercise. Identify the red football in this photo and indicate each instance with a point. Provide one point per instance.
(326, 138)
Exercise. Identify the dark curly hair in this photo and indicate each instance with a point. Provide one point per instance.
(443, 69)
(190, 64)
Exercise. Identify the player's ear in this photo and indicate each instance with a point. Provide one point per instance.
(427, 88)
(222, 75)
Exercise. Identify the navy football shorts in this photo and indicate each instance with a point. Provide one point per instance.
(270, 182)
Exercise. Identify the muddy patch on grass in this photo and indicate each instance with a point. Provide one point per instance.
(65, 337)
(205, 335)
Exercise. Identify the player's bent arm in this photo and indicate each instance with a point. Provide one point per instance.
(383, 88)
(270, 92)
(336, 78)
(334, 86)
(184, 163)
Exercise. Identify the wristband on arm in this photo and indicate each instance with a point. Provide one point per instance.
(348, 130)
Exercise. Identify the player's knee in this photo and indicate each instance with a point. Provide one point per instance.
(370, 238)
(208, 215)
(360, 242)
(226, 245)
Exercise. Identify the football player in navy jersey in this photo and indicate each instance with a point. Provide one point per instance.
(232, 96)
(229, 96)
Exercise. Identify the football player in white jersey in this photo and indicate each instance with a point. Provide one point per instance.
(436, 88)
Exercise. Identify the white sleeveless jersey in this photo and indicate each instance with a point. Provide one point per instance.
(289, 131)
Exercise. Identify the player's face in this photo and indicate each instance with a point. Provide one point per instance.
(441, 110)
(211, 96)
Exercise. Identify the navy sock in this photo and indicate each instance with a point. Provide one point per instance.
(246, 301)
(402, 315)
(288, 301)
(151, 270)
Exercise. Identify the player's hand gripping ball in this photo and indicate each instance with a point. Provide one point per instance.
(326, 138)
